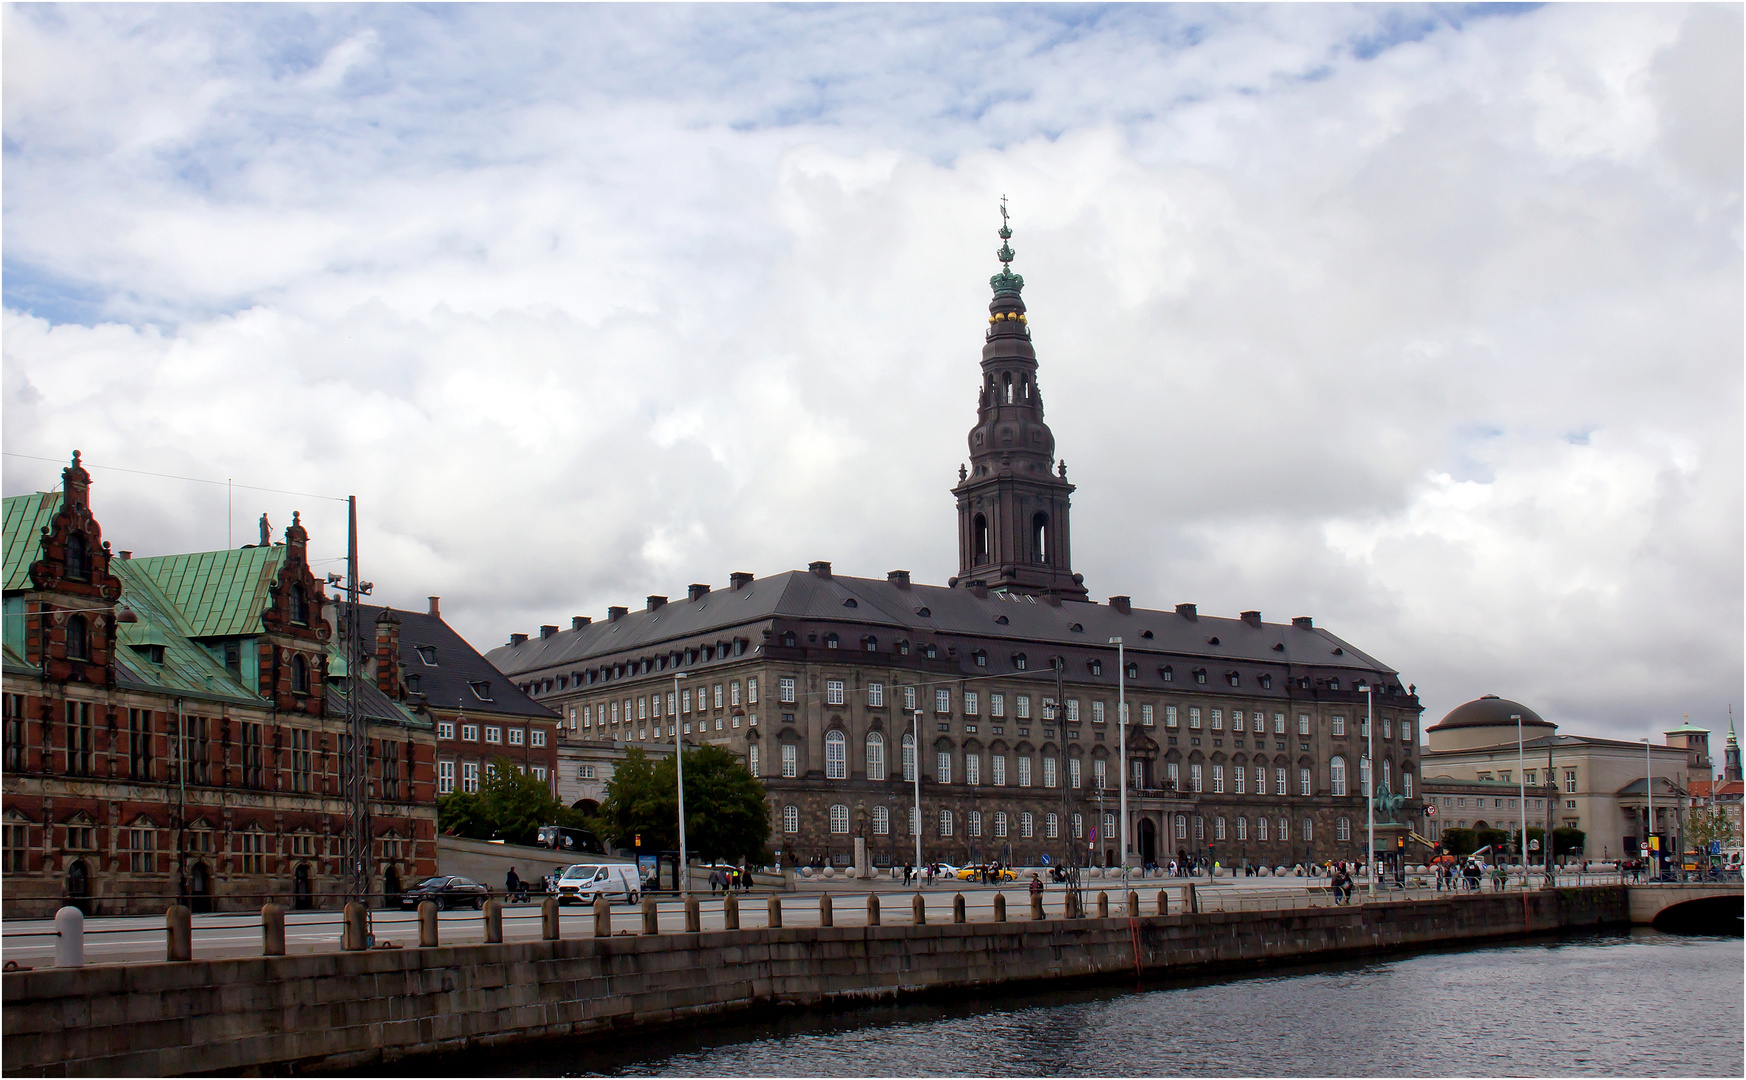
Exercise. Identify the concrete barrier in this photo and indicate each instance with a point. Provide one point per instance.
(872, 909)
(999, 907)
(493, 916)
(958, 908)
(178, 934)
(775, 922)
(826, 912)
(1133, 904)
(355, 928)
(730, 911)
(602, 917)
(1163, 902)
(69, 938)
(652, 916)
(693, 916)
(551, 919)
(918, 910)
(272, 930)
(427, 924)
(1102, 904)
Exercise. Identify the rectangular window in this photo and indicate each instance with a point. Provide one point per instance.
(1279, 780)
(1218, 780)
(390, 769)
(470, 777)
(997, 769)
(537, 737)
(942, 701)
(139, 743)
(1024, 770)
(1304, 784)
(997, 705)
(1528, 777)
(1173, 776)
(1194, 718)
(1241, 775)
(973, 769)
(909, 699)
(943, 767)
(1073, 710)
(445, 777)
(251, 756)
(752, 759)
(790, 763)
(1406, 731)
(716, 693)
(1570, 781)
(1217, 719)
(834, 692)
(515, 734)
(1099, 778)
(642, 708)
(751, 691)
(1073, 772)
(785, 689)
(300, 761)
(1024, 706)
(79, 738)
(1169, 716)
(684, 702)
(1097, 712)
(876, 695)
(1194, 778)
(733, 693)
(1278, 723)
(493, 734)
(14, 708)
(142, 848)
(1303, 723)
(971, 703)
(1237, 721)
(1049, 778)
(1339, 725)
(446, 729)
(1052, 826)
(1146, 715)
(469, 732)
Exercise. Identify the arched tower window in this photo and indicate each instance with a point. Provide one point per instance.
(1009, 388)
(78, 557)
(1040, 537)
(78, 638)
(299, 675)
(980, 525)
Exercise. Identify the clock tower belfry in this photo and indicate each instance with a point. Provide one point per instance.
(1013, 498)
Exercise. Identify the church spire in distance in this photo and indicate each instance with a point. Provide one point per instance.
(1012, 502)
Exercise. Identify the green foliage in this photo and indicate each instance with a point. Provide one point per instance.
(1497, 838)
(510, 805)
(725, 814)
(1459, 841)
(1568, 841)
(1705, 824)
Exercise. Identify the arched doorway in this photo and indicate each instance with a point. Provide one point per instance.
(302, 894)
(79, 886)
(1148, 841)
(391, 886)
(199, 889)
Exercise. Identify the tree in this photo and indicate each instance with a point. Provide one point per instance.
(1568, 841)
(1495, 838)
(1705, 824)
(725, 814)
(1459, 841)
(510, 805)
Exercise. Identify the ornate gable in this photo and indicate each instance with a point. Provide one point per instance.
(293, 652)
(70, 616)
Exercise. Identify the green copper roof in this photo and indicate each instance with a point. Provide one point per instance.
(1688, 726)
(216, 593)
(25, 517)
(187, 668)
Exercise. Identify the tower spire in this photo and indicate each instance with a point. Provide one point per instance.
(1012, 503)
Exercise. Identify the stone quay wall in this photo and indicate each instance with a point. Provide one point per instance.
(340, 1010)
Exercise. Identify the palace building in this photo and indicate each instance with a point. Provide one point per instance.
(174, 726)
(1246, 739)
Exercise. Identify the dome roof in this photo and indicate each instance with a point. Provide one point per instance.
(1490, 711)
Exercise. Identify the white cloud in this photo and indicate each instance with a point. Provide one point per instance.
(1430, 330)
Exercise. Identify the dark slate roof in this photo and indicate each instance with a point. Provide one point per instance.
(448, 683)
(892, 611)
(1490, 711)
(374, 704)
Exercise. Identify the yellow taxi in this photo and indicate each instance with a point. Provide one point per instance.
(974, 873)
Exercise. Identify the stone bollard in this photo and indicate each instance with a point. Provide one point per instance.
(551, 921)
(826, 915)
(775, 922)
(493, 922)
(730, 912)
(355, 930)
(1036, 905)
(69, 937)
(693, 916)
(1133, 904)
(919, 909)
(651, 916)
(1163, 902)
(872, 909)
(602, 917)
(272, 930)
(1102, 904)
(1190, 902)
(958, 908)
(1067, 906)
(999, 907)
(427, 924)
(179, 931)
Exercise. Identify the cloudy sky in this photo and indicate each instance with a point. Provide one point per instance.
(1426, 322)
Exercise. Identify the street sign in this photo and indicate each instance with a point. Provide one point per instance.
(1533, 845)
(1094, 834)
(1643, 851)
(1045, 858)
(1715, 847)
(1655, 843)
(1430, 811)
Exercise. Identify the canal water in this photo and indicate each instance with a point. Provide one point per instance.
(1636, 1004)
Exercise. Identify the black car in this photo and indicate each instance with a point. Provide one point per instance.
(446, 892)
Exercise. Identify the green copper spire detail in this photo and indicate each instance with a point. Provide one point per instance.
(1006, 283)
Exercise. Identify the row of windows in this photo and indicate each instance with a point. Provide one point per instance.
(643, 666)
(1000, 824)
(469, 774)
(139, 841)
(494, 735)
(677, 703)
(1529, 776)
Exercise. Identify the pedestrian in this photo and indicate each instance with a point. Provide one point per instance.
(1036, 886)
(908, 872)
(511, 884)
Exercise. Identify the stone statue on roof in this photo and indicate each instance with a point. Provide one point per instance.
(266, 532)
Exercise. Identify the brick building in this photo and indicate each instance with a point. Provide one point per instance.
(173, 726)
(1246, 739)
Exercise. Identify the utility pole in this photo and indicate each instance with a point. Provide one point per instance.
(355, 761)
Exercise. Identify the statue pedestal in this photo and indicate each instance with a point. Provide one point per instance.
(862, 870)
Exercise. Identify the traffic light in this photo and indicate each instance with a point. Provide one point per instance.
(639, 840)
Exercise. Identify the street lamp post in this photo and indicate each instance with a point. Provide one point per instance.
(916, 739)
(1522, 776)
(679, 771)
(1649, 812)
(1370, 788)
(1122, 747)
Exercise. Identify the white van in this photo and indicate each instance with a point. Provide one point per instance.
(583, 882)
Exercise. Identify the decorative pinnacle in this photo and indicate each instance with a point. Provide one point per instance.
(1006, 283)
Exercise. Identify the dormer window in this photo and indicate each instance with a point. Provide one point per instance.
(788, 639)
(299, 606)
(1167, 674)
(152, 652)
(931, 652)
(1266, 682)
(1212, 641)
(412, 683)
(1002, 620)
(871, 644)
(1232, 678)
(427, 654)
(903, 648)
(1334, 683)
(831, 641)
(1200, 676)
(1077, 628)
(1133, 671)
(1147, 634)
(1019, 661)
(78, 557)
(924, 613)
(1096, 667)
(980, 657)
(851, 602)
(481, 689)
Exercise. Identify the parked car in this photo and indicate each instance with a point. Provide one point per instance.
(446, 892)
(583, 882)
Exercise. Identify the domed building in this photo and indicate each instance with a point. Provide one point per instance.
(1486, 721)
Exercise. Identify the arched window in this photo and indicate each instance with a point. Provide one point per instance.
(1008, 388)
(1040, 537)
(909, 759)
(1337, 776)
(836, 756)
(1019, 662)
(1242, 828)
(1078, 826)
(1343, 830)
(839, 820)
(752, 759)
(881, 821)
(78, 557)
(945, 823)
(791, 819)
(1000, 824)
(788, 639)
(1181, 826)
(979, 535)
(299, 675)
(973, 824)
(1406, 783)
(1261, 829)
(1307, 835)
(78, 638)
(872, 644)
(875, 756)
(299, 606)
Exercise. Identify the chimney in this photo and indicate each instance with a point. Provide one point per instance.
(125, 554)
(517, 639)
(1123, 604)
(899, 578)
(656, 602)
(1187, 611)
(821, 568)
(436, 610)
(697, 592)
(1302, 622)
(1253, 618)
(577, 622)
(388, 654)
(979, 591)
(547, 631)
(739, 579)
(613, 614)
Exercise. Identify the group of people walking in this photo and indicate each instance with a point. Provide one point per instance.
(726, 879)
